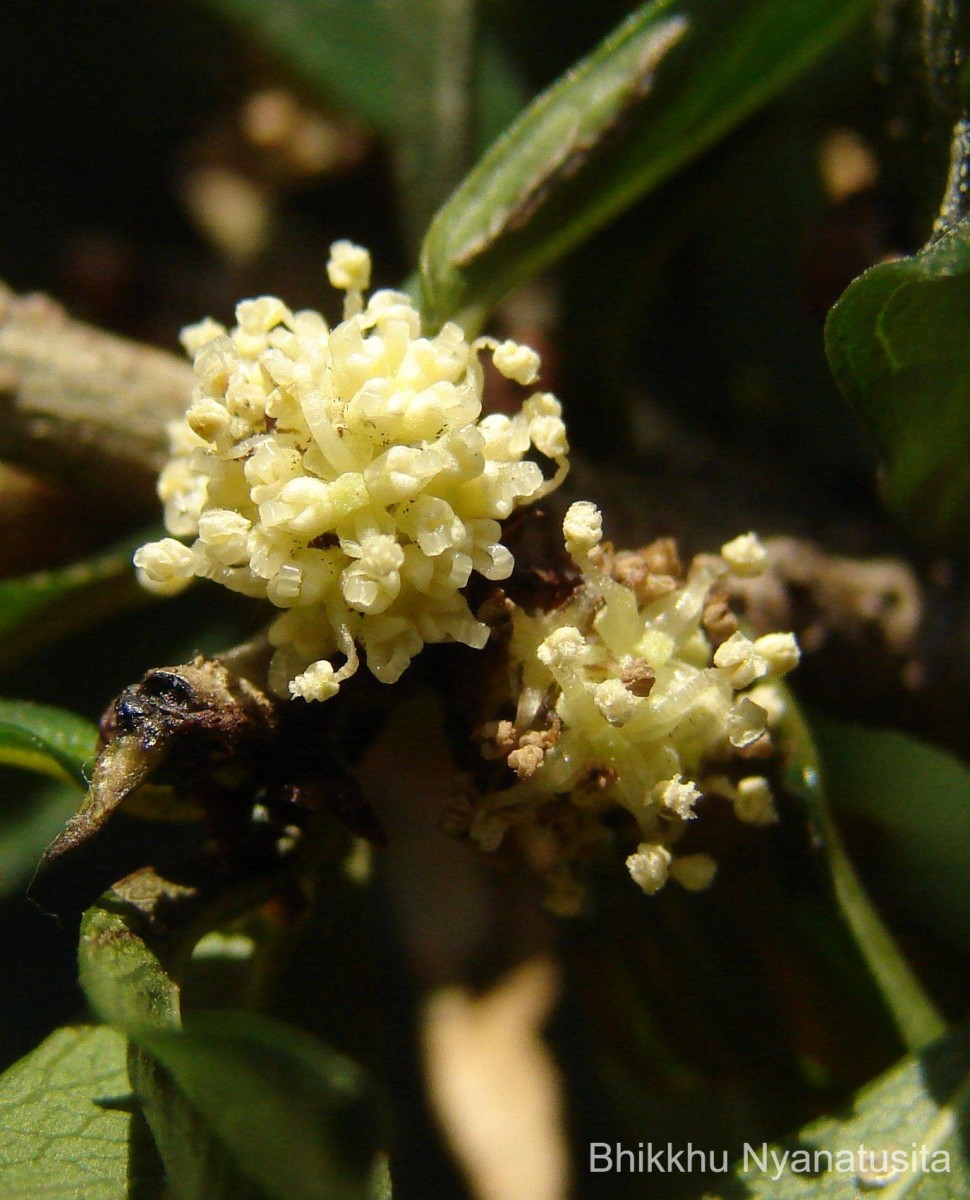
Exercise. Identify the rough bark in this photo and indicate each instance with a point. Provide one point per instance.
(81, 404)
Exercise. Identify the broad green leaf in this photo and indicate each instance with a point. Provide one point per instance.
(916, 1018)
(350, 52)
(285, 1113)
(896, 343)
(66, 1128)
(664, 86)
(920, 1109)
(917, 798)
(47, 740)
(39, 608)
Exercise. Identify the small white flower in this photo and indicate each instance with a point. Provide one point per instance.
(349, 267)
(780, 651)
(317, 682)
(745, 555)
(676, 797)
(516, 362)
(543, 412)
(746, 722)
(739, 659)
(649, 867)
(615, 701)
(565, 648)
(165, 567)
(582, 528)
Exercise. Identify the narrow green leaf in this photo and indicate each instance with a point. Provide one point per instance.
(918, 1110)
(897, 346)
(50, 741)
(66, 1128)
(664, 86)
(914, 1013)
(381, 1186)
(40, 608)
(917, 798)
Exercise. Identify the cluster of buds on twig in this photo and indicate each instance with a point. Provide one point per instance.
(348, 476)
(637, 692)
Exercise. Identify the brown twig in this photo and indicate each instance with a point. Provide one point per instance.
(85, 405)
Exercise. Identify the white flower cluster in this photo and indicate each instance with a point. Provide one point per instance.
(347, 475)
(633, 700)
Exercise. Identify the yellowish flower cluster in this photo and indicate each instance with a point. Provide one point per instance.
(347, 475)
(628, 694)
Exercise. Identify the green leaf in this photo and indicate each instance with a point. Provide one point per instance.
(434, 59)
(47, 740)
(917, 799)
(349, 51)
(664, 86)
(196, 1166)
(897, 346)
(276, 1108)
(124, 980)
(922, 1104)
(916, 1018)
(290, 1112)
(29, 821)
(65, 1127)
(128, 987)
(40, 608)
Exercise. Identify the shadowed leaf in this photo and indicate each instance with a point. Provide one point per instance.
(40, 608)
(288, 1114)
(50, 742)
(348, 51)
(917, 799)
(29, 821)
(919, 1110)
(897, 344)
(916, 1018)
